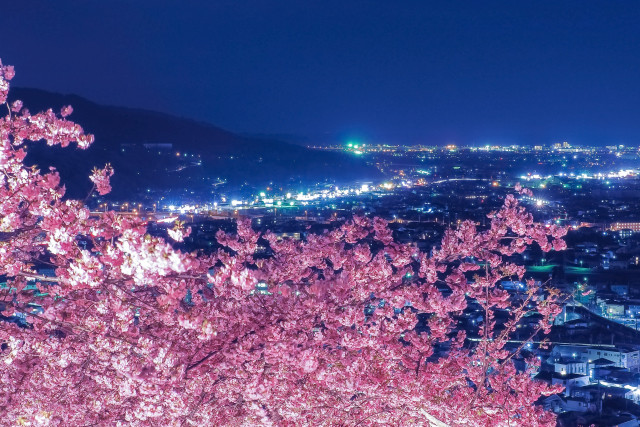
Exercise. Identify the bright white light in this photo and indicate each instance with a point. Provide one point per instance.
(167, 220)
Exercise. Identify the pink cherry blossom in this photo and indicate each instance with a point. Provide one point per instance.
(100, 177)
(66, 111)
(131, 331)
(178, 232)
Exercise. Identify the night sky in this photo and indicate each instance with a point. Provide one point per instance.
(473, 72)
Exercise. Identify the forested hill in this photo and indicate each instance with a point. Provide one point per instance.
(136, 142)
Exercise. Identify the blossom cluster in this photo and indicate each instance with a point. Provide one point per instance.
(100, 178)
(132, 331)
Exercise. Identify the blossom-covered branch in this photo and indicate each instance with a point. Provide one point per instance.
(131, 331)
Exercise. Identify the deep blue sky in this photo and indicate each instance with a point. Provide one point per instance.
(397, 70)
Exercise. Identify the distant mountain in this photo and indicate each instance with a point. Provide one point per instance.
(199, 157)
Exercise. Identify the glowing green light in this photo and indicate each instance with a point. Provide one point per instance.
(350, 145)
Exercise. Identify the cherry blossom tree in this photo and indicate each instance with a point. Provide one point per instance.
(131, 331)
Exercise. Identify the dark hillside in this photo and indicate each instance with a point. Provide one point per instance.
(134, 142)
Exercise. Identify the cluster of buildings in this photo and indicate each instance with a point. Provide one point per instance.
(594, 191)
(601, 384)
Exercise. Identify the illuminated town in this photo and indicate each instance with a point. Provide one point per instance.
(594, 345)
(320, 213)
